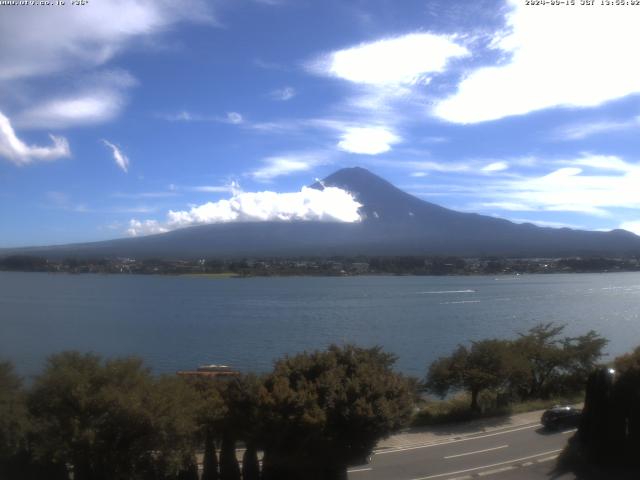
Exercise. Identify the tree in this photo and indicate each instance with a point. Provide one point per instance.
(229, 467)
(243, 421)
(210, 414)
(325, 410)
(111, 419)
(628, 364)
(628, 395)
(210, 460)
(14, 423)
(552, 361)
(488, 364)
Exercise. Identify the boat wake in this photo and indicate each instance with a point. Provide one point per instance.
(446, 291)
(461, 301)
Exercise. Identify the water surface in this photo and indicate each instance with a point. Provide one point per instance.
(181, 322)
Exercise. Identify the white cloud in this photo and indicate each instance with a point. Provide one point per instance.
(211, 188)
(95, 107)
(235, 118)
(511, 206)
(590, 184)
(580, 131)
(387, 76)
(545, 223)
(367, 140)
(559, 57)
(19, 153)
(309, 204)
(145, 227)
(287, 164)
(50, 54)
(418, 174)
(145, 194)
(633, 226)
(495, 167)
(68, 37)
(119, 157)
(605, 162)
(407, 60)
(431, 166)
(283, 94)
(182, 116)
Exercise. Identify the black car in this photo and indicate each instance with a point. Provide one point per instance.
(561, 417)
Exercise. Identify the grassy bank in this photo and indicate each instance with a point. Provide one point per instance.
(457, 408)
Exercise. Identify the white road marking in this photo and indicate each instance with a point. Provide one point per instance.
(515, 460)
(569, 431)
(546, 459)
(447, 442)
(496, 470)
(359, 470)
(477, 451)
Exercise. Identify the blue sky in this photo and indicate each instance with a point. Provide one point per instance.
(126, 118)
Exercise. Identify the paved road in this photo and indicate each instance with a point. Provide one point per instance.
(526, 451)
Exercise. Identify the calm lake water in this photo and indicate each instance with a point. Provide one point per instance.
(181, 322)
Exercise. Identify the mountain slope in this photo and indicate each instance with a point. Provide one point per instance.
(394, 223)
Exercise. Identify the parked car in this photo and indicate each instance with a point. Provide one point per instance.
(561, 417)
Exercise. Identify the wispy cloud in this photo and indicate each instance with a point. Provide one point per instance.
(212, 188)
(162, 194)
(546, 223)
(584, 130)
(590, 184)
(16, 151)
(283, 94)
(98, 97)
(119, 157)
(495, 167)
(233, 118)
(287, 164)
(96, 107)
(387, 78)
(426, 166)
(273, 3)
(68, 47)
(84, 37)
(555, 58)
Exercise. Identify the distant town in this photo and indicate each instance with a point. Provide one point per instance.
(334, 266)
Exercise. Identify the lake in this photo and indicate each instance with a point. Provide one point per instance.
(180, 322)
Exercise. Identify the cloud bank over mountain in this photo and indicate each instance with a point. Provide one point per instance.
(309, 204)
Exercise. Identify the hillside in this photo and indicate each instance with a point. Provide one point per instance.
(394, 223)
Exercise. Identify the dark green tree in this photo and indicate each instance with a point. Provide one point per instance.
(556, 362)
(189, 469)
(14, 424)
(111, 420)
(210, 459)
(487, 364)
(325, 410)
(211, 413)
(243, 421)
(229, 467)
(250, 463)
